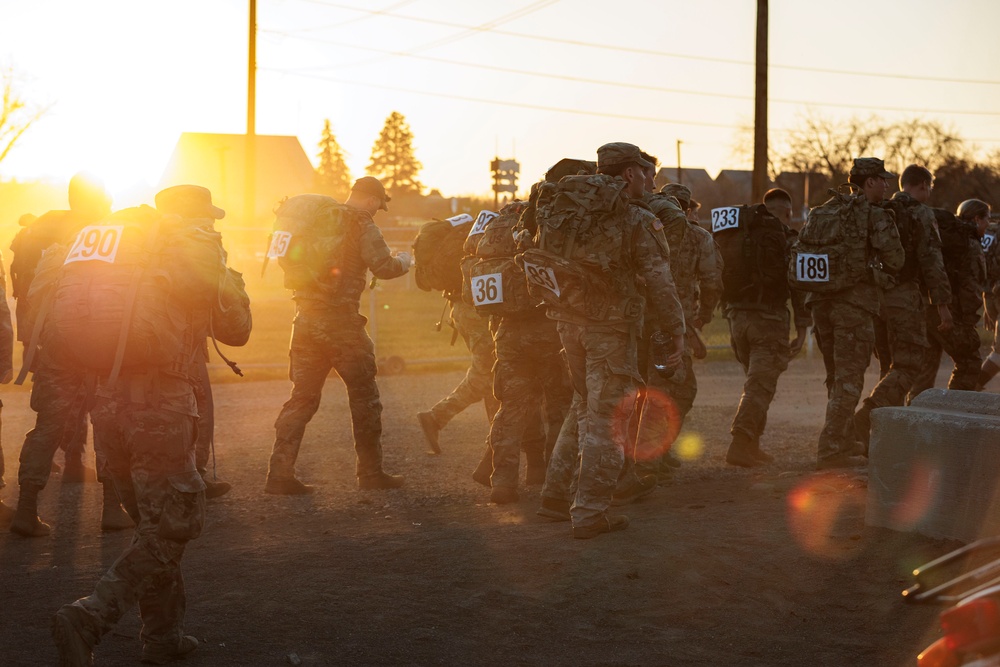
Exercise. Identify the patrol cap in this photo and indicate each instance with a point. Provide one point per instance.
(870, 167)
(660, 202)
(569, 167)
(188, 201)
(369, 185)
(681, 193)
(619, 152)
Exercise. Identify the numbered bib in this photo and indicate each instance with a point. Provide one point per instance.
(487, 289)
(96, 242)
(812, 269)
(459, 220)
(482, 222)
(988, 241)
(727, 217)
(279, 244)
(542, 276)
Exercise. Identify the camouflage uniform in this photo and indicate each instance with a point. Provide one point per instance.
(696, 266)
(6, 346)
(905, 305)
(477, 385)
(530, 372)
(329, 333)
(845, 333)
(144, 430)
(962, 342)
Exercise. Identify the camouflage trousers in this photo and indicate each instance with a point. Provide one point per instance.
(148, 454)
(325, 339)
(906, 334)
(563, 467)
(59, 399)
(477, 385)
(760, 341)
(206, 417)
(664, 406)
(845, 335)
(961, 343)
(530, 379)
(602, 366)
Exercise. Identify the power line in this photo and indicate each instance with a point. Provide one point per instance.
(618, 84)
(652, 52)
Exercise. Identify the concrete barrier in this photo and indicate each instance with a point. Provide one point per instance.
(934, 467)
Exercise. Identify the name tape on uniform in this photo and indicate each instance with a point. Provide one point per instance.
(727, 217)
(812, 268)
(96, 243)
(487, 289)
(279, 244)
(459, 220)
(542, 276)
(483, 221)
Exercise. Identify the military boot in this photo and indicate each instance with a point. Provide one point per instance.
(380, 481)
(863, 425)
(286, 487)
(504, 495)
(76, 649)
(432, 431)
(113, 515)
(26, 521)
(760, 454)
(214, 488)
(741, 452)
(161, 654)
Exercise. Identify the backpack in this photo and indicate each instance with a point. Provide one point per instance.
(959, 240)
(754, 249)
(496, 284)
(437, 253)
(991, 252)
(120, 296)
(308, 239)
(901, 208)
(54, 227)
(577, 265)
(832, 252)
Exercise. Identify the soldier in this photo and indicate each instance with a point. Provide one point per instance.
(991, 252)
(6, 375)
(601, 353)
(966, 268)
(758, 330)
(905, 296)
(329, 332)
(843, 318)
(145, 420)
(187, 201)
(696, 267)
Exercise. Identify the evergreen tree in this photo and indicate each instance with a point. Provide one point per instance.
(393, 161)
(332, 176)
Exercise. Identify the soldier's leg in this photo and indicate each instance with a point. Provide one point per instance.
(519, 396)
(926, 376)
(883, 346)
(764, 346)
(6, 513)
(309, 365)
(991, 365)
(853, 338)
(477, 385)
(558, 396)
(962, 345)
(563, 468)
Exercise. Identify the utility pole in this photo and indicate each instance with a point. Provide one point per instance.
(760, 107)
(250, 166)
(679, 142)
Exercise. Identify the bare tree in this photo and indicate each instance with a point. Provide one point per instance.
(16, 114)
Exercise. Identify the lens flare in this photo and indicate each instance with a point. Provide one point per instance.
(659, 424)
(689, 447)
(920, 495)
(817, 506)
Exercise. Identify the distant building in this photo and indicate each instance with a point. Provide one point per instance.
(218, 162)
(735, 186)
(701, 184)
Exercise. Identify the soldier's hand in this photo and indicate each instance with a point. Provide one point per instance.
(947, 322)
(7, 377)
(675, 357)
(406, 259)
(796, 345)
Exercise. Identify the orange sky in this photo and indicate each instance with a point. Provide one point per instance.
(538, 80)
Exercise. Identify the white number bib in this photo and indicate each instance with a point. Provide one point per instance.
(96, 242)
(542, 276)
(727, 217)
(988, 241)
(812, 269)
(482, 222)
(279, 244)
(487, 289)
(459, 220)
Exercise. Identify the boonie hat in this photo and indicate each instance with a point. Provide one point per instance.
(870, 167)
(188, 201)
(619, 152)
(369, 185)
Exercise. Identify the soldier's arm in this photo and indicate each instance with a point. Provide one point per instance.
(709, 278)
(929, 257)
(377, 256)
(885, 241)
(653, 266)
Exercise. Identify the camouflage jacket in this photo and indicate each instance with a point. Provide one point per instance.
(6, 329)
(925, 246)
(366, 250)
(695, 263)
(650, 255)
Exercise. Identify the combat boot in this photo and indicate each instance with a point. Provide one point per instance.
(161, 654)
(214, 488)
(741, 452)
(760, 454)
(379, 481)
(76, 472)
(6, 515)
(504, 495)
(113, 515)
(554, 508)
(26, 521)
(286, 487)
(604, 524)
(431, 431)
(637, 488)
(70, 638)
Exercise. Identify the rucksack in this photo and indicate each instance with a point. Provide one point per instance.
(120, 296)
(496, 284)
(437, 253)
(902, 209)
(959, 241)
(54, 227)
(577, 266)
(833, 251)
(753, 245)
(308, 239)
(991, 252)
